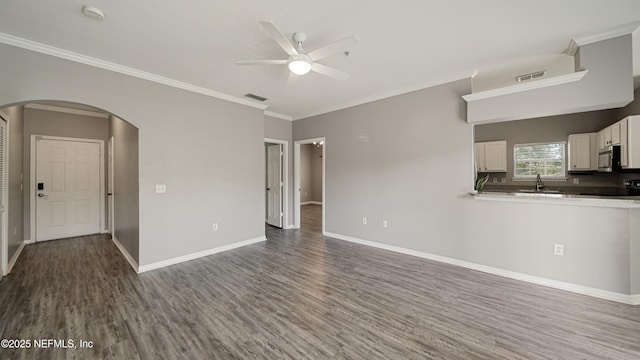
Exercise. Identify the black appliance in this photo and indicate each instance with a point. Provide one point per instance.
(633, 187)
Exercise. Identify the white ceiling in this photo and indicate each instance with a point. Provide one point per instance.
(404, 44)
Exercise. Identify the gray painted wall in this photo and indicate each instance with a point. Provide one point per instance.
(16, 128)
(608, 84)
(53, 123)
(409, 160)
(126, 194)
(280, 129)
(209, 152)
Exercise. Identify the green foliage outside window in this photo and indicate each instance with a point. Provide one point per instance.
(548, 160)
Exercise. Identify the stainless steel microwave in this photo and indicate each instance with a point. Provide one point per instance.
(609, 159)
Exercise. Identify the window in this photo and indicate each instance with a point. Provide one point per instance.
(546, 159)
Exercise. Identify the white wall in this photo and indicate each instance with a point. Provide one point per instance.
(209, 152)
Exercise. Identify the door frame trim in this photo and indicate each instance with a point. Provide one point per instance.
(32, 180)
(111, 187)
(4, 236)
(285, 181)
(296, 180)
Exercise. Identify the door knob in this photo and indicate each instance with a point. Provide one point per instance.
(40, 195)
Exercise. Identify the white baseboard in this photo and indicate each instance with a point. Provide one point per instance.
(199, 254)
(126, 254)
(290, 226)
(579, 289)
(14, 259)
(27, 242)
(311, 203)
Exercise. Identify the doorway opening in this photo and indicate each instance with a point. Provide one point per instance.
(63, 168)
(276, 182)
(310, 195)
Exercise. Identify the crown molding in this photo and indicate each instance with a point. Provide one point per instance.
(106, 65)
(536, 84)
(278, 115)
(66, 110)
(388, 94)
(576, 42)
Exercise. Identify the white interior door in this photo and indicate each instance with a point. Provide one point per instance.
(67, 189)
(274, 185)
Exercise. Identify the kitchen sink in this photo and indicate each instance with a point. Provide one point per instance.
(539, 192)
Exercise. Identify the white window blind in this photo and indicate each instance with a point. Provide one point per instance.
(546, 159)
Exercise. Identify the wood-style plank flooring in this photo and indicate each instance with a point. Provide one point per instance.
(297, 296)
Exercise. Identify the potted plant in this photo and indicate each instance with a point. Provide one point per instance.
(480, 181)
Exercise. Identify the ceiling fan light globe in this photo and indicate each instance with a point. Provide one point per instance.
(299, 66)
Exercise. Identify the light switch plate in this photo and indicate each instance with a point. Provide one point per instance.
(558, 249)
(161, 189)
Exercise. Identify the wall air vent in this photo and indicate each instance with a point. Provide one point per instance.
(531, 76)
(255, 97)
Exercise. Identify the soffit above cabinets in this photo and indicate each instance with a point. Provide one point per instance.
(601, 78)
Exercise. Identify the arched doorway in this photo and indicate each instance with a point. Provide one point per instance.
(101, 163)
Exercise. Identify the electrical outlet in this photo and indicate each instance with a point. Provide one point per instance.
(215, 226)
(364, 221)
(558, 249)
(576, 181)
(384, 223)
(161, 189)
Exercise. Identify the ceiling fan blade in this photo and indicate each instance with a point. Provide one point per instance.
(330, 72)
(292, 79)
(279, 37)
(262, 62)
(334, 48)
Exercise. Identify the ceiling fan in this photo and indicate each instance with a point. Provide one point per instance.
(301, 62)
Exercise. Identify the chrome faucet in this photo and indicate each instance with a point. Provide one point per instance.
(539, 183)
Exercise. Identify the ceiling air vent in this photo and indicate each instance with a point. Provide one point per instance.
(531, 76)
(255, 97)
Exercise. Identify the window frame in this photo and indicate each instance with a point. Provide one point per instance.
(544, 177)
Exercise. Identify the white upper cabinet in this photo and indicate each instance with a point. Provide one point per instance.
(604, 137)
(630, 142)
(583, 152)
(615, 134)
(609, 136)
(491, 156)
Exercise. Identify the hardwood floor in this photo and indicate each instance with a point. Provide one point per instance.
(297, 296)
(311, 218)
